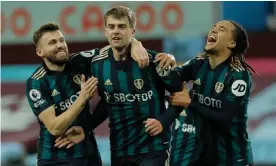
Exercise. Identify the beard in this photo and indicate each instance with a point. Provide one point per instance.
(53, 58)
(56, 61)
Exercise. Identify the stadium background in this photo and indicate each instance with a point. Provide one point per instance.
(179, 28)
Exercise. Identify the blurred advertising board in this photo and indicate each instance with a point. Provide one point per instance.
(83, 21)
(254, 18)
(22, 54)
(262, 111)
(184, 48)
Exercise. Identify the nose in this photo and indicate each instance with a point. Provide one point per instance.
(116, 29)
(214, 30)
(60, 45)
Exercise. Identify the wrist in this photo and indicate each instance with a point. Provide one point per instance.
(188, 103)
(135, 42)
(82, 100)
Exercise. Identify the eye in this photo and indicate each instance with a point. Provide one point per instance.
(52, 42)
(222, 29)
(122, 26)
(111, 26)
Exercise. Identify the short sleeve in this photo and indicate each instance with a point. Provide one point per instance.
(38, 95)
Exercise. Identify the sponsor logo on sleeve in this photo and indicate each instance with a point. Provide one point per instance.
(239, 88)
(34, 95)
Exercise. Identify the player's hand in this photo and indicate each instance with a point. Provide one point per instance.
(73, 136)
(153, 126)
(139, 53)
(88, 88)
(181, 98)
(165, 61)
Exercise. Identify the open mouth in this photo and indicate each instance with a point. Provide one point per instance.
(116, 38)
(212, 39)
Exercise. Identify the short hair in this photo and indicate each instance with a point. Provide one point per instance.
(120, 12)
(48, 27)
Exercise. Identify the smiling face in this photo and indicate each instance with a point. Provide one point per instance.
(221, 37)
(52, 47)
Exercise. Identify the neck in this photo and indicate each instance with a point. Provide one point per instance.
(121, 54)
(54, 67)
(217, 58)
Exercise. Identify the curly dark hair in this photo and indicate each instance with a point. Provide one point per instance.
(238, 52)
(242, 44)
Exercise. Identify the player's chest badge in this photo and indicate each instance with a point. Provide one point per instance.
(139, 83)
(108, 83)
(77, 79)
(219, 87)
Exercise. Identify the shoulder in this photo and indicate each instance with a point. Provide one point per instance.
(84, 54)
(239, 74)
(38, 74)
(35, 83)
(197, 61)
(239, 82)
(201, 59)
(102, 54)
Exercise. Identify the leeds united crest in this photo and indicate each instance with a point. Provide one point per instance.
(219, 87)
(139, 83)
(77, 79)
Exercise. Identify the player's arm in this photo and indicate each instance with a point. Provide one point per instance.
(69, 139)
(76, 134)
(169, 76)
(236, 97)
(172, 82)
(82, 60)
(99, 115)
(173, 76)
(188, 70)
(72, 136)
(45, 109)
(139, 53)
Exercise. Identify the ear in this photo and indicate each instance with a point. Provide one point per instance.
(231, 44)
(39, 52)
(105, 33)
(133, 32)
